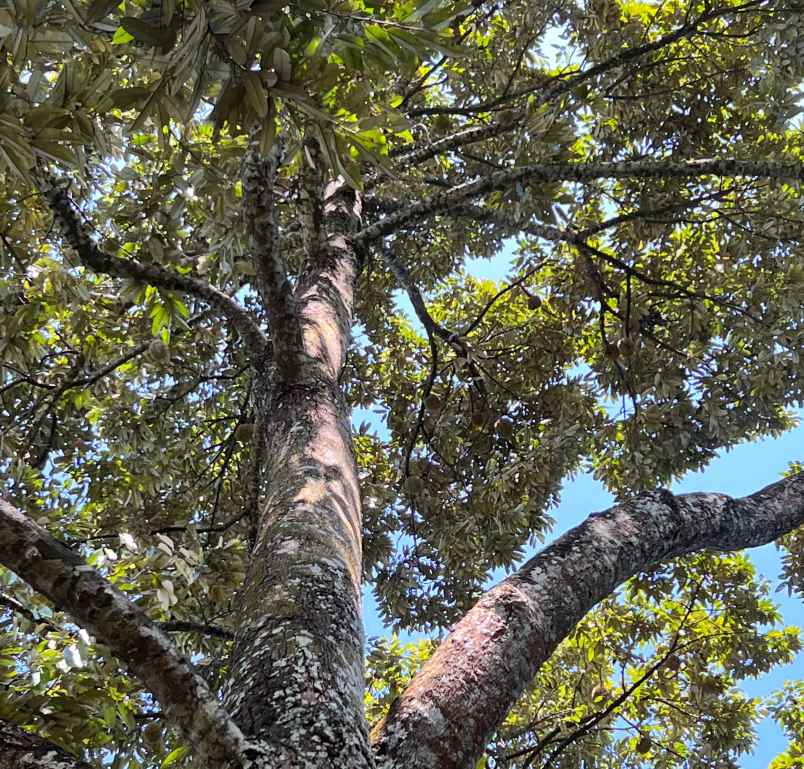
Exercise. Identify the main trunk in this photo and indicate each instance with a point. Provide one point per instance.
(296, 681)
(297, 675)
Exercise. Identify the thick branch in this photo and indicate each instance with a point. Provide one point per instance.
(446, 715)
(577, 172)
(21, 750)
(181, 626)
(259, 178)
(311, 197)
(72, 586)
(74, 232)
(472, 135)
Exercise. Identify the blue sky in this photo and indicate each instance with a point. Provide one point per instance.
(740, 471)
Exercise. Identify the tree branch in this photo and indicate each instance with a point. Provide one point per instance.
(576, 172)
(595, 718)
(174, 529)
(19, 749)
(182, 626)
(46, 406)
(454, 340)
(493, 653)
(414, 157)
(72, 586)
(259, 178)
(561, 84)
(505, 220)
(544, 92)
(311, 196)
(75, 234)
(405, 281)
(579, 240)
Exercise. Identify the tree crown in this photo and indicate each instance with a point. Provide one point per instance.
(641, 164)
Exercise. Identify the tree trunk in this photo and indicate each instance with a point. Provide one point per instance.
(21, 750)
(279, 685)
(297, 664)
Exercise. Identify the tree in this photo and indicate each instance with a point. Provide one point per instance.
(208, 213)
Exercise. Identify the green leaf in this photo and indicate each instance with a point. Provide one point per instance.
(255, 92)
(160, 318)
(98, 9)
(129, 97)
(54, 151)
(121, 37)
(423, 8)
(174, 756)
(159, 37)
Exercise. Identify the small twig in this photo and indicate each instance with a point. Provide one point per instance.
(183, 626)
(627, 692)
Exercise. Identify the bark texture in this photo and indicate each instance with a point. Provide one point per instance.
(444, 718)
(259, 177)
(21, 750)
(297, 665)
(75, 587)
(294, 697)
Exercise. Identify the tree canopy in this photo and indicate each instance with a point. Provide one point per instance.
(194, 192)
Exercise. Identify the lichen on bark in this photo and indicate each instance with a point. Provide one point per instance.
(296, 680)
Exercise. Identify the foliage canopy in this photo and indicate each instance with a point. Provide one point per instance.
(651, 316)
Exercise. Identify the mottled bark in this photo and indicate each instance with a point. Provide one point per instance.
(311, 197)
(296, 674)
(444, 718)
(297, 665)
(61, 575)
(22, 750)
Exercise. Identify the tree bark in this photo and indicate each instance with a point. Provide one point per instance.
(21, 750)
(445, 717)
(296, 680)
(61, 575)
(297, 663)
